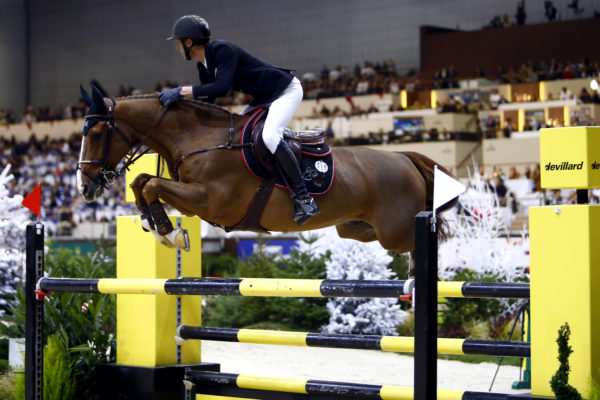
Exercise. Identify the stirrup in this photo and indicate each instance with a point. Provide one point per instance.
(304, 209)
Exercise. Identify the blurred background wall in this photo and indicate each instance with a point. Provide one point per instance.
(123, 41)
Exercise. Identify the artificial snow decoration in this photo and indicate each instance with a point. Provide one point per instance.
(13, 219)
(351, 259)
(480, 241)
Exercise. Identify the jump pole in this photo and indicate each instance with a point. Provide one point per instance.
(500, 348)
(211, 385)
(272, 287)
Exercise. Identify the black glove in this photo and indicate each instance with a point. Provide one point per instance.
(169, 96)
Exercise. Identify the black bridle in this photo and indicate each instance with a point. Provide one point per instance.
(107, 175)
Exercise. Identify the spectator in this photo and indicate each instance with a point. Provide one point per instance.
(550, 11)
(372, 109)
(495, 99)
(565, 94)
(29, 117)
(508, 128)
(513, 174)
(500, 189)
(592, 198)
(520, 15)
(363, 86)
(329, 131)
(324, 73)
(491, 125)
(537, 178)
(584, 96)
(567, 73)
(555, 198)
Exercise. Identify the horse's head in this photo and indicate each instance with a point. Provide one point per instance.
(101, 147)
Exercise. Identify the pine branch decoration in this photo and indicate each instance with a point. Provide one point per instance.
(560, 381)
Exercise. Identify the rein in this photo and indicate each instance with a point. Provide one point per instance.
(227, 146)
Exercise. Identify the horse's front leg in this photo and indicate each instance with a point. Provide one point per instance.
(187, 198)
(136, 186)
(154, 217)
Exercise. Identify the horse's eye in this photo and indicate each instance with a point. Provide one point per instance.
(96, 134)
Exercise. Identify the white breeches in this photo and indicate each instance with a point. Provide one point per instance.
(281, 112)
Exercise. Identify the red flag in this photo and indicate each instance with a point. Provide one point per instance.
(33, 200)
(349, 100)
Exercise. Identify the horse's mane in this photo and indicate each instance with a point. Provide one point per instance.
(191, 102)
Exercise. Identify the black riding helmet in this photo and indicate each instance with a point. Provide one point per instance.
(192, 27)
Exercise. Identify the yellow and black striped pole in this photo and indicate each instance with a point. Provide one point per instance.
(278, 287)
(203, 383)
(366, 342)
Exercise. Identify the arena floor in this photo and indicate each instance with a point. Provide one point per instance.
(356, 366)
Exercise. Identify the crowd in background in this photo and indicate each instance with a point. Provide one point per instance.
(54, 164)
(370, 78)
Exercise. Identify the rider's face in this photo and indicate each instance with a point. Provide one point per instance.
(180, 48)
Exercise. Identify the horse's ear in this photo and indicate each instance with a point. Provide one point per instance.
(85, 95)
(99, 101)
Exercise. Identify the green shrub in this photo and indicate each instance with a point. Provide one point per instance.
(3, 365)
(407, 327)
(59, 374)
(4, 348)
(7, 386)
(560, 380)
(400, 264)
(221, 265)
(291, 313)
(594, 389)
(462, 315)
(3, 356)
(63, 316)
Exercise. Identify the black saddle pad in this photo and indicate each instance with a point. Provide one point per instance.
(317, 162)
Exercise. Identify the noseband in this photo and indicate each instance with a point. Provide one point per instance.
(107, 175)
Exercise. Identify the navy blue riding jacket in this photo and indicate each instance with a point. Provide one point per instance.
(228, 67)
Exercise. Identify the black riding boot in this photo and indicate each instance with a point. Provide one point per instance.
(304, 205)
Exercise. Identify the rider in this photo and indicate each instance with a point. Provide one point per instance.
(223, 66)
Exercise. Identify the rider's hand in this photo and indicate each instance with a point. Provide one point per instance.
(169, 96)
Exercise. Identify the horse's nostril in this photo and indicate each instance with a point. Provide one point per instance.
(84, 189)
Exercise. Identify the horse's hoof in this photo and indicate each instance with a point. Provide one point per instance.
(183, 240)
(180, 238)
(164, 240)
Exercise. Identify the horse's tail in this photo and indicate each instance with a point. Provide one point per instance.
(425, 166)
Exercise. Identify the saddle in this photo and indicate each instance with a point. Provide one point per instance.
(310, 142)
(313, 154)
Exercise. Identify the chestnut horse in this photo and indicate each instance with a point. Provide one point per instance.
(375, 195)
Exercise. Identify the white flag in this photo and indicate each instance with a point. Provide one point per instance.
(445, 188)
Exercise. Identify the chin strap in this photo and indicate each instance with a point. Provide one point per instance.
(187, 50)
